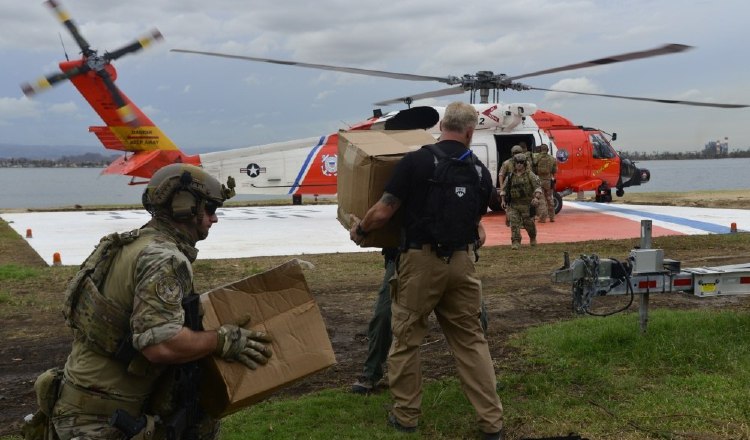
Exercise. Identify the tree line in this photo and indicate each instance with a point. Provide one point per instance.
(87, 160)
(683, 155)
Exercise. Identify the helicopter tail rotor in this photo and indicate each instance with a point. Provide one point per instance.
(92, 61)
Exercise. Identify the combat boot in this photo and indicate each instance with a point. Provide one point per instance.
(515, 246)
(532, 241)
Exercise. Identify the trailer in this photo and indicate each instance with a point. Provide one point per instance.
(643, 272)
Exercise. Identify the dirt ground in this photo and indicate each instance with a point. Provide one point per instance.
(517, 288)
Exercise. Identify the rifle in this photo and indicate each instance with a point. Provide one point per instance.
(506, 188)
(127, 424)
(183, 423)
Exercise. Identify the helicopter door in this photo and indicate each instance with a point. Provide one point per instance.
(504, 142)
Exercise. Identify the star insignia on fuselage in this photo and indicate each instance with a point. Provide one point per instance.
(253, 170)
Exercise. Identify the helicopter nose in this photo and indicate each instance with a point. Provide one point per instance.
(645, 174)
(631, 175)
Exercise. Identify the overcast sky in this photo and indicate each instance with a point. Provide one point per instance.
(204, 103)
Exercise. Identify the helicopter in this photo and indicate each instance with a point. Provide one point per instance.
(586, 159)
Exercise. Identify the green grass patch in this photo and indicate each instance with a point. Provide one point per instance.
(688, 374)
(14, 272)
(688, 377)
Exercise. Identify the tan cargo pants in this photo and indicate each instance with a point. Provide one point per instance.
(454, 292)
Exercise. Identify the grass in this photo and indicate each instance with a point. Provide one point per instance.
(688, 377)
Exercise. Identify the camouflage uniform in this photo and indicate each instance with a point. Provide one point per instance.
(546, 167)
(522, 187)
(148, 278)
(505, 169)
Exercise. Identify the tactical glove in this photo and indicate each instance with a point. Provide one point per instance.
(247, 346)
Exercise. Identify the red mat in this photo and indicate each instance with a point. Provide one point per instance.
(570, 225)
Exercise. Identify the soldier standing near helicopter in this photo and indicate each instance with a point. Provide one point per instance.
(545, 166)
(505, 169)
(520, 195)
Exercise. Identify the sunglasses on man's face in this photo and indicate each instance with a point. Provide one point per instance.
(211, 207)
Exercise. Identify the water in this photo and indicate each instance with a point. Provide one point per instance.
(695, 175)
(66, 187)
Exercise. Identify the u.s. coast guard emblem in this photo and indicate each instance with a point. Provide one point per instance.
(329, 166)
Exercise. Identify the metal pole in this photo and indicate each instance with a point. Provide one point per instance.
(645, 244)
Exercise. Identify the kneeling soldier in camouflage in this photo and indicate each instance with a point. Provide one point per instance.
(137, 326)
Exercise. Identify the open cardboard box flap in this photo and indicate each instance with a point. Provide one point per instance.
(279, 303)
(366, 161)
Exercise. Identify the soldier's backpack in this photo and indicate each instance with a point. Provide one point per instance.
(453, 201)
(544, 165)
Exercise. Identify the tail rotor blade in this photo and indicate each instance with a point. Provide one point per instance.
(45, 82)
(135, 46)
(65, 19)
(124, 111)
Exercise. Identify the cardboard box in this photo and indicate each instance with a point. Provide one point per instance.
(280, 304)
(366, 161)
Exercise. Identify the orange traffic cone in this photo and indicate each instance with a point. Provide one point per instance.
(56, 260)
(733, 227)
(28, 233)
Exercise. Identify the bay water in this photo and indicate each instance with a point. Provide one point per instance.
(66, 187)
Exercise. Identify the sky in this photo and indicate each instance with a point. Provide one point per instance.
(206, 103)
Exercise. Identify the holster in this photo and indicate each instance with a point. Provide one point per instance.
(38, 426)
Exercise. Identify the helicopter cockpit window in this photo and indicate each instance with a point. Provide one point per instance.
(601, 148)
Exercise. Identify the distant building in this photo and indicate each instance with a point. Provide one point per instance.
(717, 148)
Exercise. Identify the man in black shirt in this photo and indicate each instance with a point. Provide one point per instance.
(428, 282)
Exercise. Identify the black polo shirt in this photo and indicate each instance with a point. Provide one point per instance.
(409, 184)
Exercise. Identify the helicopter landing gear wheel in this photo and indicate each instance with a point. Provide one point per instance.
(558, 202)
(603, 194)
(620, 192)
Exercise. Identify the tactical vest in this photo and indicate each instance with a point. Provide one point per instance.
(521, 187)
(104, 325)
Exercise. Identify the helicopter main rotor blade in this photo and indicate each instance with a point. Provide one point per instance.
(381, 73)
(662, 50)
(135, 46)
(434, 94)
(65, 19)
(663, 101)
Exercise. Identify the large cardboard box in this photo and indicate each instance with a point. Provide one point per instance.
(279, 303)
(366, 161)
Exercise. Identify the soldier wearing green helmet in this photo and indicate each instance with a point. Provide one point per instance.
(137, 329)
(521, 194)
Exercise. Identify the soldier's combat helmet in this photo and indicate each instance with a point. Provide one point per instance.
(520, 158)
(516, 149)
(182, 191)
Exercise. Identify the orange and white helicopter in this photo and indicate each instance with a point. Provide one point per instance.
(586, 160)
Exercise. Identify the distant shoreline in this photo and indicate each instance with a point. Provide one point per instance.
(730, 199)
